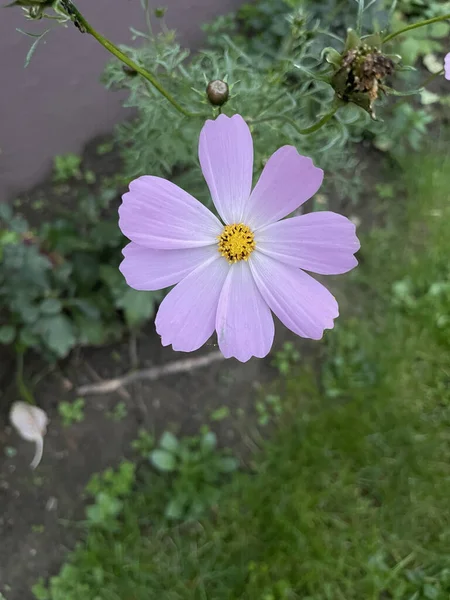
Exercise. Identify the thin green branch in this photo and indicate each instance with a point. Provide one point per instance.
(320, 123)
(359, 16)
(415, 26)
(85, 27)
(20, 382)
(330, 34)
(431, 77)
(391, 12)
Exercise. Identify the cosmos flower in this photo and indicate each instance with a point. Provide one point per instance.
(447, 66)
(231, 274)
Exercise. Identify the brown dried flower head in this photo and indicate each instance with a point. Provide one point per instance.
(361, 74)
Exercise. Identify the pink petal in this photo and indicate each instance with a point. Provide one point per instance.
(287, 181)
(226, 158)
(447, 66)
(301, 303)
(187, 315)
(321, 242)
(244, 322)
(157, 214)
(148, 269)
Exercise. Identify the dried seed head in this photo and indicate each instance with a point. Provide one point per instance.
(361, 74)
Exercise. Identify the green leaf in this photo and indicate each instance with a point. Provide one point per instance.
(6, 212)
(107, 234)
(175, 508)
(57, 332)
(163, 460)
(32, 50)
(8, 237)
(7, 334)
(137, 306)
(106, 507)
(228, 464)
(352, 41)
(431, 592)
(168, 442)
(27, 338)
(208, 441)
(86, 270)
(87, 308)
(95, 331)
(28, 313)
(220, 413)
(111, 277)
(39, 590)
(374, 40)
(50, 306)
(332, 56)
(439, 30)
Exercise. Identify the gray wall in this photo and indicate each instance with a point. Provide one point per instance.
(57, 104)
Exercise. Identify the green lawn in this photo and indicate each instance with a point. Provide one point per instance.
(350, 498)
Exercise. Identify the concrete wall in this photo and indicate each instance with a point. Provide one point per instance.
(57, 104)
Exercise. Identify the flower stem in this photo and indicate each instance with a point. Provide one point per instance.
(320, 123)
(415, 26)
(85, 27)
(20, 382)
(359, 16)
(431, 77)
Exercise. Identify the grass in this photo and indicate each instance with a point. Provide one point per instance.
(349, 500)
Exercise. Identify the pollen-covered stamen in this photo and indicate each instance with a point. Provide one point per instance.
(236, 242)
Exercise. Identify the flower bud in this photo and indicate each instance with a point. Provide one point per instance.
(217, 92)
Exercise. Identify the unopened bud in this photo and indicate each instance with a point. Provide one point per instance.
(218, 92)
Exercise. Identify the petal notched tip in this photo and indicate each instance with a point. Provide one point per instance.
(222, 119)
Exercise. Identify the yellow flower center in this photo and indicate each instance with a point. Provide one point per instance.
(236, 242)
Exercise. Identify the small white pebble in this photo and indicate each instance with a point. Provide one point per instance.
(52, 504)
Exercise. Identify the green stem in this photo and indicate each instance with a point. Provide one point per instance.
(85, 27)
(320, 123)
(20, 382)
(359, 17)
(418, 90)
(415, 26)
(431, 77)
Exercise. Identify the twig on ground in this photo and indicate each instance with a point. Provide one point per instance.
(120, 390)
(179, 366)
